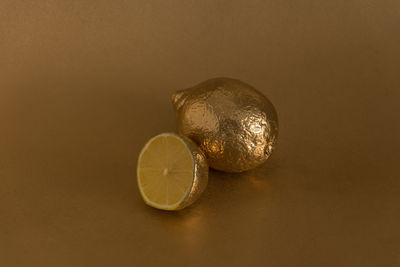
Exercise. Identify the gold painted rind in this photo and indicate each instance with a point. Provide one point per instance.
(200, 174)
(235, 125)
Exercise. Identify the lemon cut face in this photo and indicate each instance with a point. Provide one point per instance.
(171, 172)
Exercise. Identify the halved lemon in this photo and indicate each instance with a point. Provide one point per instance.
(171, 172)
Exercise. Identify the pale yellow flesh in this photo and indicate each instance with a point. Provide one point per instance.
(165, 171)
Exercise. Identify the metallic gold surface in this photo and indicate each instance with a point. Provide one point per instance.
(85, 83)
(234, 124)
(199, 174)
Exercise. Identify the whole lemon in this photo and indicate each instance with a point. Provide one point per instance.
(235, 125)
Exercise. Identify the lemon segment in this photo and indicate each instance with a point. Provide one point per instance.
(169, 172)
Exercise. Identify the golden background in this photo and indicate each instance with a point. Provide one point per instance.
(84, 84)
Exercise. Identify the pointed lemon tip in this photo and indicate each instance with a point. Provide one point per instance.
(178, 99)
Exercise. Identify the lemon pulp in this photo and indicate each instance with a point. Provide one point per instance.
(165, 171)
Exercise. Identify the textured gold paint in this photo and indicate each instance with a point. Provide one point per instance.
(200, 174)
(234, 124)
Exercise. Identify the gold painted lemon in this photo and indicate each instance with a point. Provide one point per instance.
(235, 125)
(171, 172)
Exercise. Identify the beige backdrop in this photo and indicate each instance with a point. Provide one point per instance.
(84, 84)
